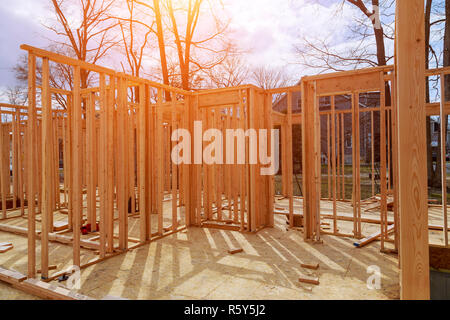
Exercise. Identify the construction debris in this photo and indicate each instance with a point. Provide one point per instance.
(235, 250)
(310, 266)
(363, 242)
(6, 246)
(313, 280)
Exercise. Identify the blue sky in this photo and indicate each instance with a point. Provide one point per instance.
(20, 23)
(268, 29)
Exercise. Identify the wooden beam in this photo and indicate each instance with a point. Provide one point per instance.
(142, 179)
(443, 132)
(31, 154)
(289, 159)
(412, 160)
(77, 158)
(46, 165)
(102, 174)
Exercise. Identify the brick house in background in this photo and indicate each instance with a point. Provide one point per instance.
(342, 102)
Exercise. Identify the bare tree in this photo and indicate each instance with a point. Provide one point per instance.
(231, 73)
(135, 41)
(370, 27)
(375, 18)
(196, 54)
(17, 95)
(60, 75)
(85, 31)
(269, 78)
(442, 8)
(82, 30)
(135, 38)
(150, 16)
(161, 44)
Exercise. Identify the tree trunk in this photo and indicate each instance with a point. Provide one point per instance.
(430, 169)
(162, 48)
(446, 63)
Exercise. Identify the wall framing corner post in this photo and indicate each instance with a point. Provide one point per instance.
(46, 183)
(149, 132)
(144, 233)
(271, 178)
(31, 143)
(413, 204)
(311, 160)
(103, 177)
(190, 181)
(252, 168)
(159, 160)
(122, 165)
(109, 158)
(289, 156)
(77, 158)
(317, 165)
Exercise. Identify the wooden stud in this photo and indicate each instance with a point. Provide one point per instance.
(159, 161)
(443, 117)
(410, 49)
(174, 169)
(77, 158)
(102, 165)
(31, 165)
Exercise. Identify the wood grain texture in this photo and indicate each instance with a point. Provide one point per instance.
(410, 47)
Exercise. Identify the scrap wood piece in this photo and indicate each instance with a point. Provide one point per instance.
(370, 200)
(60, 225)
(310, 280)
(6, 247)
(235, 250)
(437, 227)
(314, 266)
(376, 205)
(211, 225)
(365, 241)
(277, 211)
(11, 276)
(375, 202)
(94, 238)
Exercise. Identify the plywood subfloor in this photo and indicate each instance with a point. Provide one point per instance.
(195, 264)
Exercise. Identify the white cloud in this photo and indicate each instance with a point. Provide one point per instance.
(269, 28)
(19, 22)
